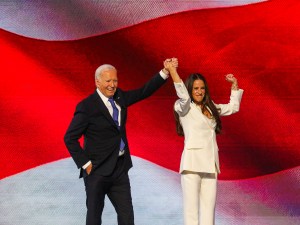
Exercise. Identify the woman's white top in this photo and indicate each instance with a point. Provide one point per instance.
(200, 153)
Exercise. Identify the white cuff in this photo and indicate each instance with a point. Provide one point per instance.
(163, 75)
(86, 165)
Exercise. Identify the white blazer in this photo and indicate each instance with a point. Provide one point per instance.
(200, 153)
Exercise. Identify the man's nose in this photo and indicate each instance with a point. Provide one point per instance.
(112, 84)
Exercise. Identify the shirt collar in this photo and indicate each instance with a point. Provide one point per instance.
(102, 96)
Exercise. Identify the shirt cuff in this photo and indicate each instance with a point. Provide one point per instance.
(86, 165)
(163, 75)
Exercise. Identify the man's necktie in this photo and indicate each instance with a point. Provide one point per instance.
(116, 119)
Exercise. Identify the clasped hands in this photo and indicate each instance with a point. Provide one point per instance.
(170, 64)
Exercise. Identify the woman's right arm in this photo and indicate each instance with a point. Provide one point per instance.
(182, 105)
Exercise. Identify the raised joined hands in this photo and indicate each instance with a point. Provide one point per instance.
(170, 64)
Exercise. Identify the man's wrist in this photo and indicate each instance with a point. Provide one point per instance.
(163, 74)
(165, 71)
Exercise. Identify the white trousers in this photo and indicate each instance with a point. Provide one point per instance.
(199, 197)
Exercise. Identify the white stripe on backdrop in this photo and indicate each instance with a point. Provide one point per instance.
(67, 20)
(52, 195)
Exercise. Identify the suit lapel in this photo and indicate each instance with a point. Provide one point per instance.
(200, 115)
(102, 107)
(120, 102)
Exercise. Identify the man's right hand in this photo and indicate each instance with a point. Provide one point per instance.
(89, 169)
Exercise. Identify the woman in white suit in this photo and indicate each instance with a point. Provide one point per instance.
(198, 120)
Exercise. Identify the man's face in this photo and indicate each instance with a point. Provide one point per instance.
(107, 82)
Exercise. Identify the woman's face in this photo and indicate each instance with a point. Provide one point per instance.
(198, 91)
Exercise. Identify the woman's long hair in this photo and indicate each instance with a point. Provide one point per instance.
(207, 102)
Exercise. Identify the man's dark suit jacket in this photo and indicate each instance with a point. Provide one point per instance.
(101, 135)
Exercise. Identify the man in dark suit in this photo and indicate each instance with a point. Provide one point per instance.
(104, 159)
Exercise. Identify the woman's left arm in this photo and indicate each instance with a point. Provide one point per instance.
(235, 98)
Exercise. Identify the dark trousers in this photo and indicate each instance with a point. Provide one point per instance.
(117, 188)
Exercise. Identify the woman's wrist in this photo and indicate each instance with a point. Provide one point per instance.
(235, 86)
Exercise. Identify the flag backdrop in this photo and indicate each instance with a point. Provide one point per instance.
(49, 52)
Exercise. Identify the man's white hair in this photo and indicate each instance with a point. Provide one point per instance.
(101, 68)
